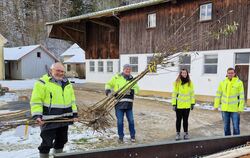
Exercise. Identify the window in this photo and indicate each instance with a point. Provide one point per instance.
(110, 66)
(149, 58)
(133, 61)
(68, 67)
(206, 12)
(185, 62)
(92, 66)
(38, 54)
(210, 64)
(242, 58)
(152, 20)
(100, 66)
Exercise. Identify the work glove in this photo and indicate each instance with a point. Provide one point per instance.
(107, 92)
(174, 107)
(192, 106)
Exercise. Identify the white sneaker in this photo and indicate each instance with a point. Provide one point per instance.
(186, 136)
(178, 136)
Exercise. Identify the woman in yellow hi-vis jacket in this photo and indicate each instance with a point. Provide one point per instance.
(182, 101)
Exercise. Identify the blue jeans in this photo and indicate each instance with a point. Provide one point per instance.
(120, 119)
(227, 116)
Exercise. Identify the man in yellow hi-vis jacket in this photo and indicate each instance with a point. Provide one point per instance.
(230, 97)
(125, 105)
(53, 98)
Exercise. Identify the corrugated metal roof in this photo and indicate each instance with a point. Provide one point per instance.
(109, 12)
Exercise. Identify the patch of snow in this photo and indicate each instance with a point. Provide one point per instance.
(18, 84)
(13, 146)
(25, 153)
(7, 111)
(204, 106)
(77, 80)
(8, 97)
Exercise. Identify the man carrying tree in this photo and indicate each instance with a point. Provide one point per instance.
(125, 104)
(53, 98)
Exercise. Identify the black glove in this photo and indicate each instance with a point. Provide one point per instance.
(107, 92)
(174, 107)
(192, 106)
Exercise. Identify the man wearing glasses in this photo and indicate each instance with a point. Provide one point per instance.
(53, 98)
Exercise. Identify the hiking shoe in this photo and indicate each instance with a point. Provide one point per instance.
(178, 136)
(186, 136)
(132, 140)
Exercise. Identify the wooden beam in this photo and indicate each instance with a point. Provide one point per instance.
(103, 24)
(74, 29)
(71, 38)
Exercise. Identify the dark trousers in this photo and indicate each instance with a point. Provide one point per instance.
(182, 114)
(53, 138)
(120, 119)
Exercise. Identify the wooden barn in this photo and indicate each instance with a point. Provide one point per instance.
(132, 33)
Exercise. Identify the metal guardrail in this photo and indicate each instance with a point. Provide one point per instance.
(190, 148)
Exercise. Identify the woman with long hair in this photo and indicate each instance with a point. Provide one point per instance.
(183, 101)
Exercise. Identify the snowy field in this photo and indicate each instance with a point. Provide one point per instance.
(14, 146)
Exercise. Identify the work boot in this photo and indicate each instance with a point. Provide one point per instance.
(56, 151)
(178, 136)
(42, 155)
(186, 136)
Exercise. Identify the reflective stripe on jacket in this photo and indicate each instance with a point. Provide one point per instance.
(51, 100)
(183, 95)
(230, 95)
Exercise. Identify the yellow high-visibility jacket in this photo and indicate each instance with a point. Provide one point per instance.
(183, 95)
(230, 95)
(118, 81)
(50, 100)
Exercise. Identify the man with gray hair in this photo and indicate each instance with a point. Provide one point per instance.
(125, 105)
(53, 98)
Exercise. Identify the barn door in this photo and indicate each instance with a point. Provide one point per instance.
(242, 72)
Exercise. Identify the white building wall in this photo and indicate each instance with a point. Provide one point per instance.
(34, 67)
(205, 84)
(101, 77)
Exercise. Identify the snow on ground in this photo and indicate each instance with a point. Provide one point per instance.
(8, 97)
(18, 84)
(77, 80)
(28, 84)
(204, 106)
(13, 146)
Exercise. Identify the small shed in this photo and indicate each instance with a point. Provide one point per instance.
(74, 60)
(26, 62)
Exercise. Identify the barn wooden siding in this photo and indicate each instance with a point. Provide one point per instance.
(102, 39)
(136, 38)
(98, 37)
